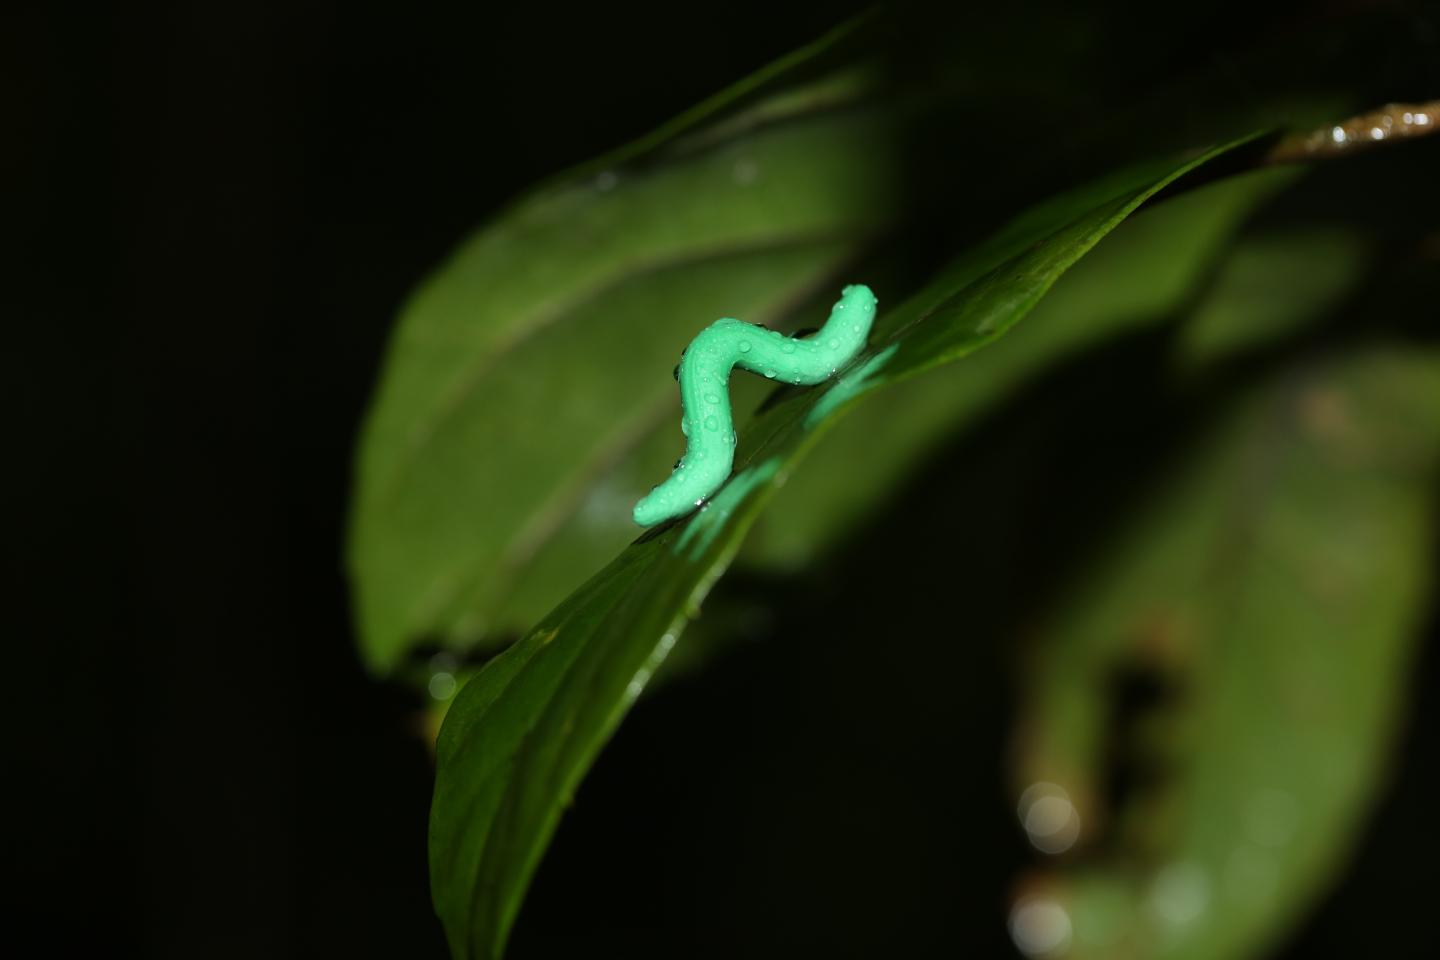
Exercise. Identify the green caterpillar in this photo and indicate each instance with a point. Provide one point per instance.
(704, 375)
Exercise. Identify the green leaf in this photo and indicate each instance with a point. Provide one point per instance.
(521, 735)
(1143, 275)
(1270, 286)
(472, 515)
(1275, 587)
(525, 366)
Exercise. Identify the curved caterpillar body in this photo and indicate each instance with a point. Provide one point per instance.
(704, 375)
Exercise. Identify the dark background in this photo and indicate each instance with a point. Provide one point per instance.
(221, 207)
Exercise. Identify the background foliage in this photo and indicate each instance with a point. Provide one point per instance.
(1264, 579)
(1090, 552)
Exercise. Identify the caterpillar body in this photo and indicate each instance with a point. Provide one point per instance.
(704, 375)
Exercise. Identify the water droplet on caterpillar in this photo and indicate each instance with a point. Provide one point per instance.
(744, 346)
(712, 424)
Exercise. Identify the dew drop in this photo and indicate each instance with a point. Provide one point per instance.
(1051, 822)
(787, 347)
(442, 685)
(1179, 893)
(712, 398)
(770, 374)
(684, 427)
(1040, 927)
(833, 344)
(712, 424)
(744, 346)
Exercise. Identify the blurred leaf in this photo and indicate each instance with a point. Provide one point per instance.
(1270, 597)
(521, 735)
(524, 367)
(1144, 274)
(1270, 285)
(483, 495)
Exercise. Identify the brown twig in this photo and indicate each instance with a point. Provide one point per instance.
(1394, 121)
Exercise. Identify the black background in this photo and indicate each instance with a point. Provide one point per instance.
(221, 207)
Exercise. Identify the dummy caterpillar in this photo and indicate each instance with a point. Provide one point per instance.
(704, 375)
